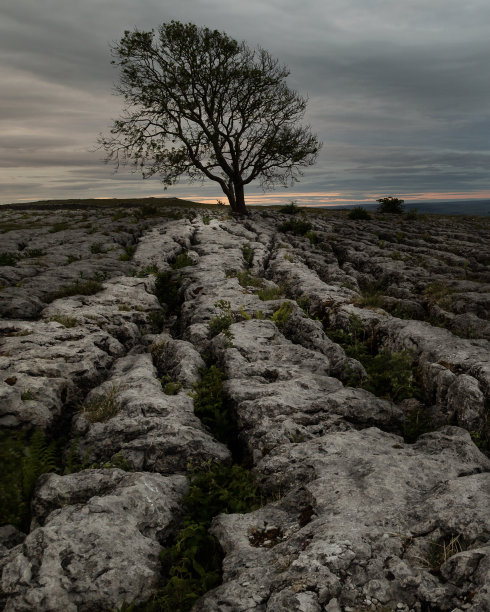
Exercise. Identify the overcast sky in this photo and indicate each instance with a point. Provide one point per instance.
(399, 93)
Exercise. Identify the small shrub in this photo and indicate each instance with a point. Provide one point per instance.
(96, 248)
(313, 237)
(411, 215)
(282, 314)
(206, 219)
(390, 205)
(71, 258)
(359, 213)
(295, 226)
(102, 408)
(289, 257)
(270, 293)
(290, 209)
(128, 253)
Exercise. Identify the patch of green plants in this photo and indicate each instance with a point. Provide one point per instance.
(71, 258)
(144, 272)
(96, 248)
(210, 405)
(8, 259)
(438, 293)
(298, 227)
(170, 387)
(129, 251)
(221, 323)
(102, 408)
(31, 253)
(389, 375)
(65, 320)
(313, 237)
(59, 227)
(87, 287)
(417, 423)
(193, 563)
(167, 290)
(289, 257)
(270, 293)
(182, 261)
(281, 316)
(23, 458)
(156, 321)
(248, 280)
(27, 395)
(206, 219)
(359, 213)
(248, 255)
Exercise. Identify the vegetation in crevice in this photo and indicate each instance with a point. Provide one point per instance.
(220, 324)
(182, 260)
(390, 375)
(103, 407)
(86, 287)
(168, 290)
(299, 227)
(193, 564)
(248, 255)
(210, 404)
(24, 457)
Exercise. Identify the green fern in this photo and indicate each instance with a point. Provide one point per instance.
(24, 461)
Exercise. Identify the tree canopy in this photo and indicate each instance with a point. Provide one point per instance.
(201, 105)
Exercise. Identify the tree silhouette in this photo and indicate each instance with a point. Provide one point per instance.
(201, 105)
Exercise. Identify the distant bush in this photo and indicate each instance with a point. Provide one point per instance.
(390, 205)
(359, 213)
(290, 209)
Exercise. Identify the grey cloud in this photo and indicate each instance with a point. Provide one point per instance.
(399, 91)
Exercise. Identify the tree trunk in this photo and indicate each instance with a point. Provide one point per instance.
(239, 204)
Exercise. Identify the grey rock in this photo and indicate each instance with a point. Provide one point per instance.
(99, 547)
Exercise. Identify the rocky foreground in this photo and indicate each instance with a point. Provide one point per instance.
(353, 359)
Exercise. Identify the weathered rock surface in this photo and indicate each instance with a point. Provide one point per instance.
(152, 431)
(98, 543)
(354, 518)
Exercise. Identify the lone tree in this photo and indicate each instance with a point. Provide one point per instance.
(391, 205)
(200, 104)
